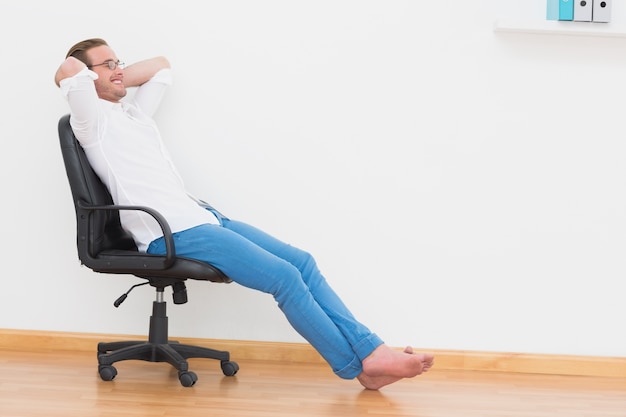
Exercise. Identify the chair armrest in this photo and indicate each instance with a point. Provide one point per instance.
(170, 250)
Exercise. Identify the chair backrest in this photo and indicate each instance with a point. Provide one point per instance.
(105, 231)
(103, 245)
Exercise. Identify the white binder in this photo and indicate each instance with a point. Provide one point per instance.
(602, 10)
(583, 10)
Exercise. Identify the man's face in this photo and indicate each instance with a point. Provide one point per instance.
(110, 83)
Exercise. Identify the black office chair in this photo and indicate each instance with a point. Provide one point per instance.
(105, 247)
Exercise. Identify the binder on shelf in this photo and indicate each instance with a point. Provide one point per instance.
(566, 9)
(583, 10)
(602, 10)
(552, 10)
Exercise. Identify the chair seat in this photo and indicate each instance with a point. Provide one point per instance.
(117, 261)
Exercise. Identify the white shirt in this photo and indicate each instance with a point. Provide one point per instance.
(125, 149)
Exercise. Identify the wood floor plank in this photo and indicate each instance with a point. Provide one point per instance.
(66, 384)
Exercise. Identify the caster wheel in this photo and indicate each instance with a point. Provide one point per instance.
(107, 372)
(187, 378)
(229, 368)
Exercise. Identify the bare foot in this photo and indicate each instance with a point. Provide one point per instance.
(385, 366)
(429, 359)
(375, 382)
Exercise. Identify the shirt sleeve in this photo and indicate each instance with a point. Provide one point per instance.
(70, 83)
(149, 95)
(80, 92)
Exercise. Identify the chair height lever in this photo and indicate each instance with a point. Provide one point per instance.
(123, 297)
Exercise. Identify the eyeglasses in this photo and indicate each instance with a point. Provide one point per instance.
(111, 64)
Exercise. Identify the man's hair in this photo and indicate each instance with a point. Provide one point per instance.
(79, 51)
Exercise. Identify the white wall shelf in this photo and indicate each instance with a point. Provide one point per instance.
(553, 27)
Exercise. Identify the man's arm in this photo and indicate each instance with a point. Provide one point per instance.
(70, 67)
(134, 75)
(140, 72)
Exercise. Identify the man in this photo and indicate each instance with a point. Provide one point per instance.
(124, 147)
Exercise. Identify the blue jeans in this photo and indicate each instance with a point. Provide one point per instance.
(256, 260)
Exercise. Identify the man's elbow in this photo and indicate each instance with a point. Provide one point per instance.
(162, 62)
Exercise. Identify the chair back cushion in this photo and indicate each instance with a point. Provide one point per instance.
(104, 230)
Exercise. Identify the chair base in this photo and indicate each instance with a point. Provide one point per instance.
(159, 349)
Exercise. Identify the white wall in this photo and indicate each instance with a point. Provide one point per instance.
(461, 189)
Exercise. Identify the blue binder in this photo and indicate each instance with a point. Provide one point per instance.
(566, 9)
(552, 10)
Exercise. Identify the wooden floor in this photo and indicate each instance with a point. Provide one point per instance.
(66, 384)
